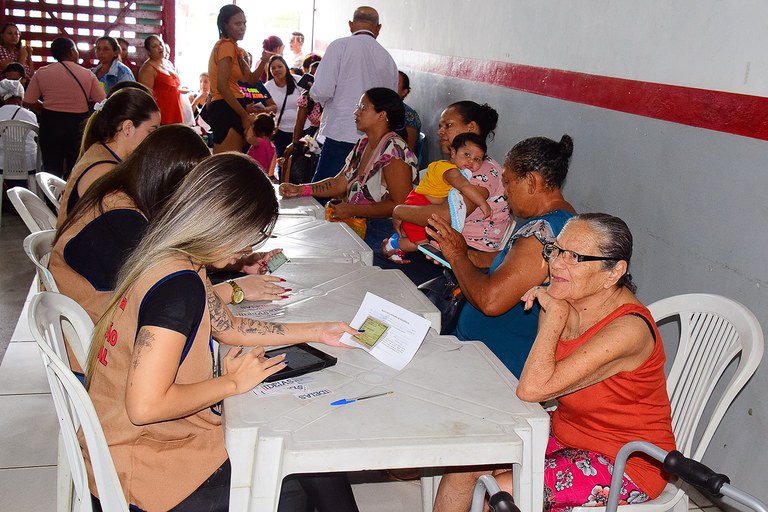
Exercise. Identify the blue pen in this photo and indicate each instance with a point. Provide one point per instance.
(345, 401)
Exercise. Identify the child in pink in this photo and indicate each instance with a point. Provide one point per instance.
(259, 136)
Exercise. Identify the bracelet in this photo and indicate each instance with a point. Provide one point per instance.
(307, 190)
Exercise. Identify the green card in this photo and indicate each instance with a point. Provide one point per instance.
(374, 330)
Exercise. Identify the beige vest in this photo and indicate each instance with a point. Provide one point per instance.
(159, 464)
(95, 153)
(71, 283)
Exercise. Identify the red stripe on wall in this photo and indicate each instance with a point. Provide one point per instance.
(739, 114)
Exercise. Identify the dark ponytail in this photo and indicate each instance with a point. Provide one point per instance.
(483, 115)
(127, 104)
(387, 100)
(544, 156)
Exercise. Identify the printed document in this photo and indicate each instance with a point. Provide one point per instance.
(390, 333)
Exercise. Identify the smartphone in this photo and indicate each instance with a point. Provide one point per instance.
(300, 359)
(434, 253)
(306, 81)
(276, 261)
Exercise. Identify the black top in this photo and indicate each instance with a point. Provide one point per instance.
(176, 302)
(99, 250)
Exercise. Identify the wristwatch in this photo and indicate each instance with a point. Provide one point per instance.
(238, 295)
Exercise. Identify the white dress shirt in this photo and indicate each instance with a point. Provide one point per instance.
(350, 66)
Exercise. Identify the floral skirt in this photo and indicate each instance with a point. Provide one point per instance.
(581, 478)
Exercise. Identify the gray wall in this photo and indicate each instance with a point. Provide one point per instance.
(693, 198)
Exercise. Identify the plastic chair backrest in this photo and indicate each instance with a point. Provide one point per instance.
(33, 210)
(714, 330)
(56, 318)
(38, 247)
(75, 412)
(52, 186)
(13, 136)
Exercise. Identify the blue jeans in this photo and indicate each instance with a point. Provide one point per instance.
(332, 157)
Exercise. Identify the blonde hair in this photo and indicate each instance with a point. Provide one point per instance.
(223, 205)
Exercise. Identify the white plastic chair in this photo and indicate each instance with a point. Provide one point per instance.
(13, 137)
(52, 186)
(74, 409)
(33, 210)
(38, 247)
(714, 331)
(58, 317)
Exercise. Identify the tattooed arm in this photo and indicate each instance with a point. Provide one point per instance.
(152, 394)
(238, 330)
(329, 187)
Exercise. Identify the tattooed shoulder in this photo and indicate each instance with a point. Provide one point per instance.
(143, 343)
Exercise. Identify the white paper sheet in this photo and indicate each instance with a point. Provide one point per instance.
(402, 334)
(302, 387)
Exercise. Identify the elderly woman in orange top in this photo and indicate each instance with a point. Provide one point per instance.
(229, 116)
(599, 353)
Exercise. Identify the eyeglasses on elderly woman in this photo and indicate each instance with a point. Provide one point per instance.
(552, 251)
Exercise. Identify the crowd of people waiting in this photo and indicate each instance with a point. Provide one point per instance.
(148, 213)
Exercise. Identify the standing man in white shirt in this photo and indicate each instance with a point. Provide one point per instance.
(351, 65)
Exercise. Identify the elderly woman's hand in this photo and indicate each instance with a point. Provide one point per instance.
(553, 311)
(449, 241)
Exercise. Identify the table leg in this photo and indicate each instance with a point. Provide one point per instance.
(267, 475)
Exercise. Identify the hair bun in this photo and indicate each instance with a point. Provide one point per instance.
(566, 146)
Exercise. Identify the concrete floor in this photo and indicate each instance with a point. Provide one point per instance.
(16, 272)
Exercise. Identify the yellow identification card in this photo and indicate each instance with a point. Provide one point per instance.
(374, 330)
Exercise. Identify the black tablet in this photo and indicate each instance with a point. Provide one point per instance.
(301, 359)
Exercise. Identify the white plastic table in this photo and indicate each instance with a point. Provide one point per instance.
(453, 405)
(307, 206)
(334, 291)
(305, 239)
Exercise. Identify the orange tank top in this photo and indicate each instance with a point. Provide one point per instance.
(166, 91)
(628, 406)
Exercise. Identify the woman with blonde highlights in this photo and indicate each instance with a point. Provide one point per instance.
(151, 366)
